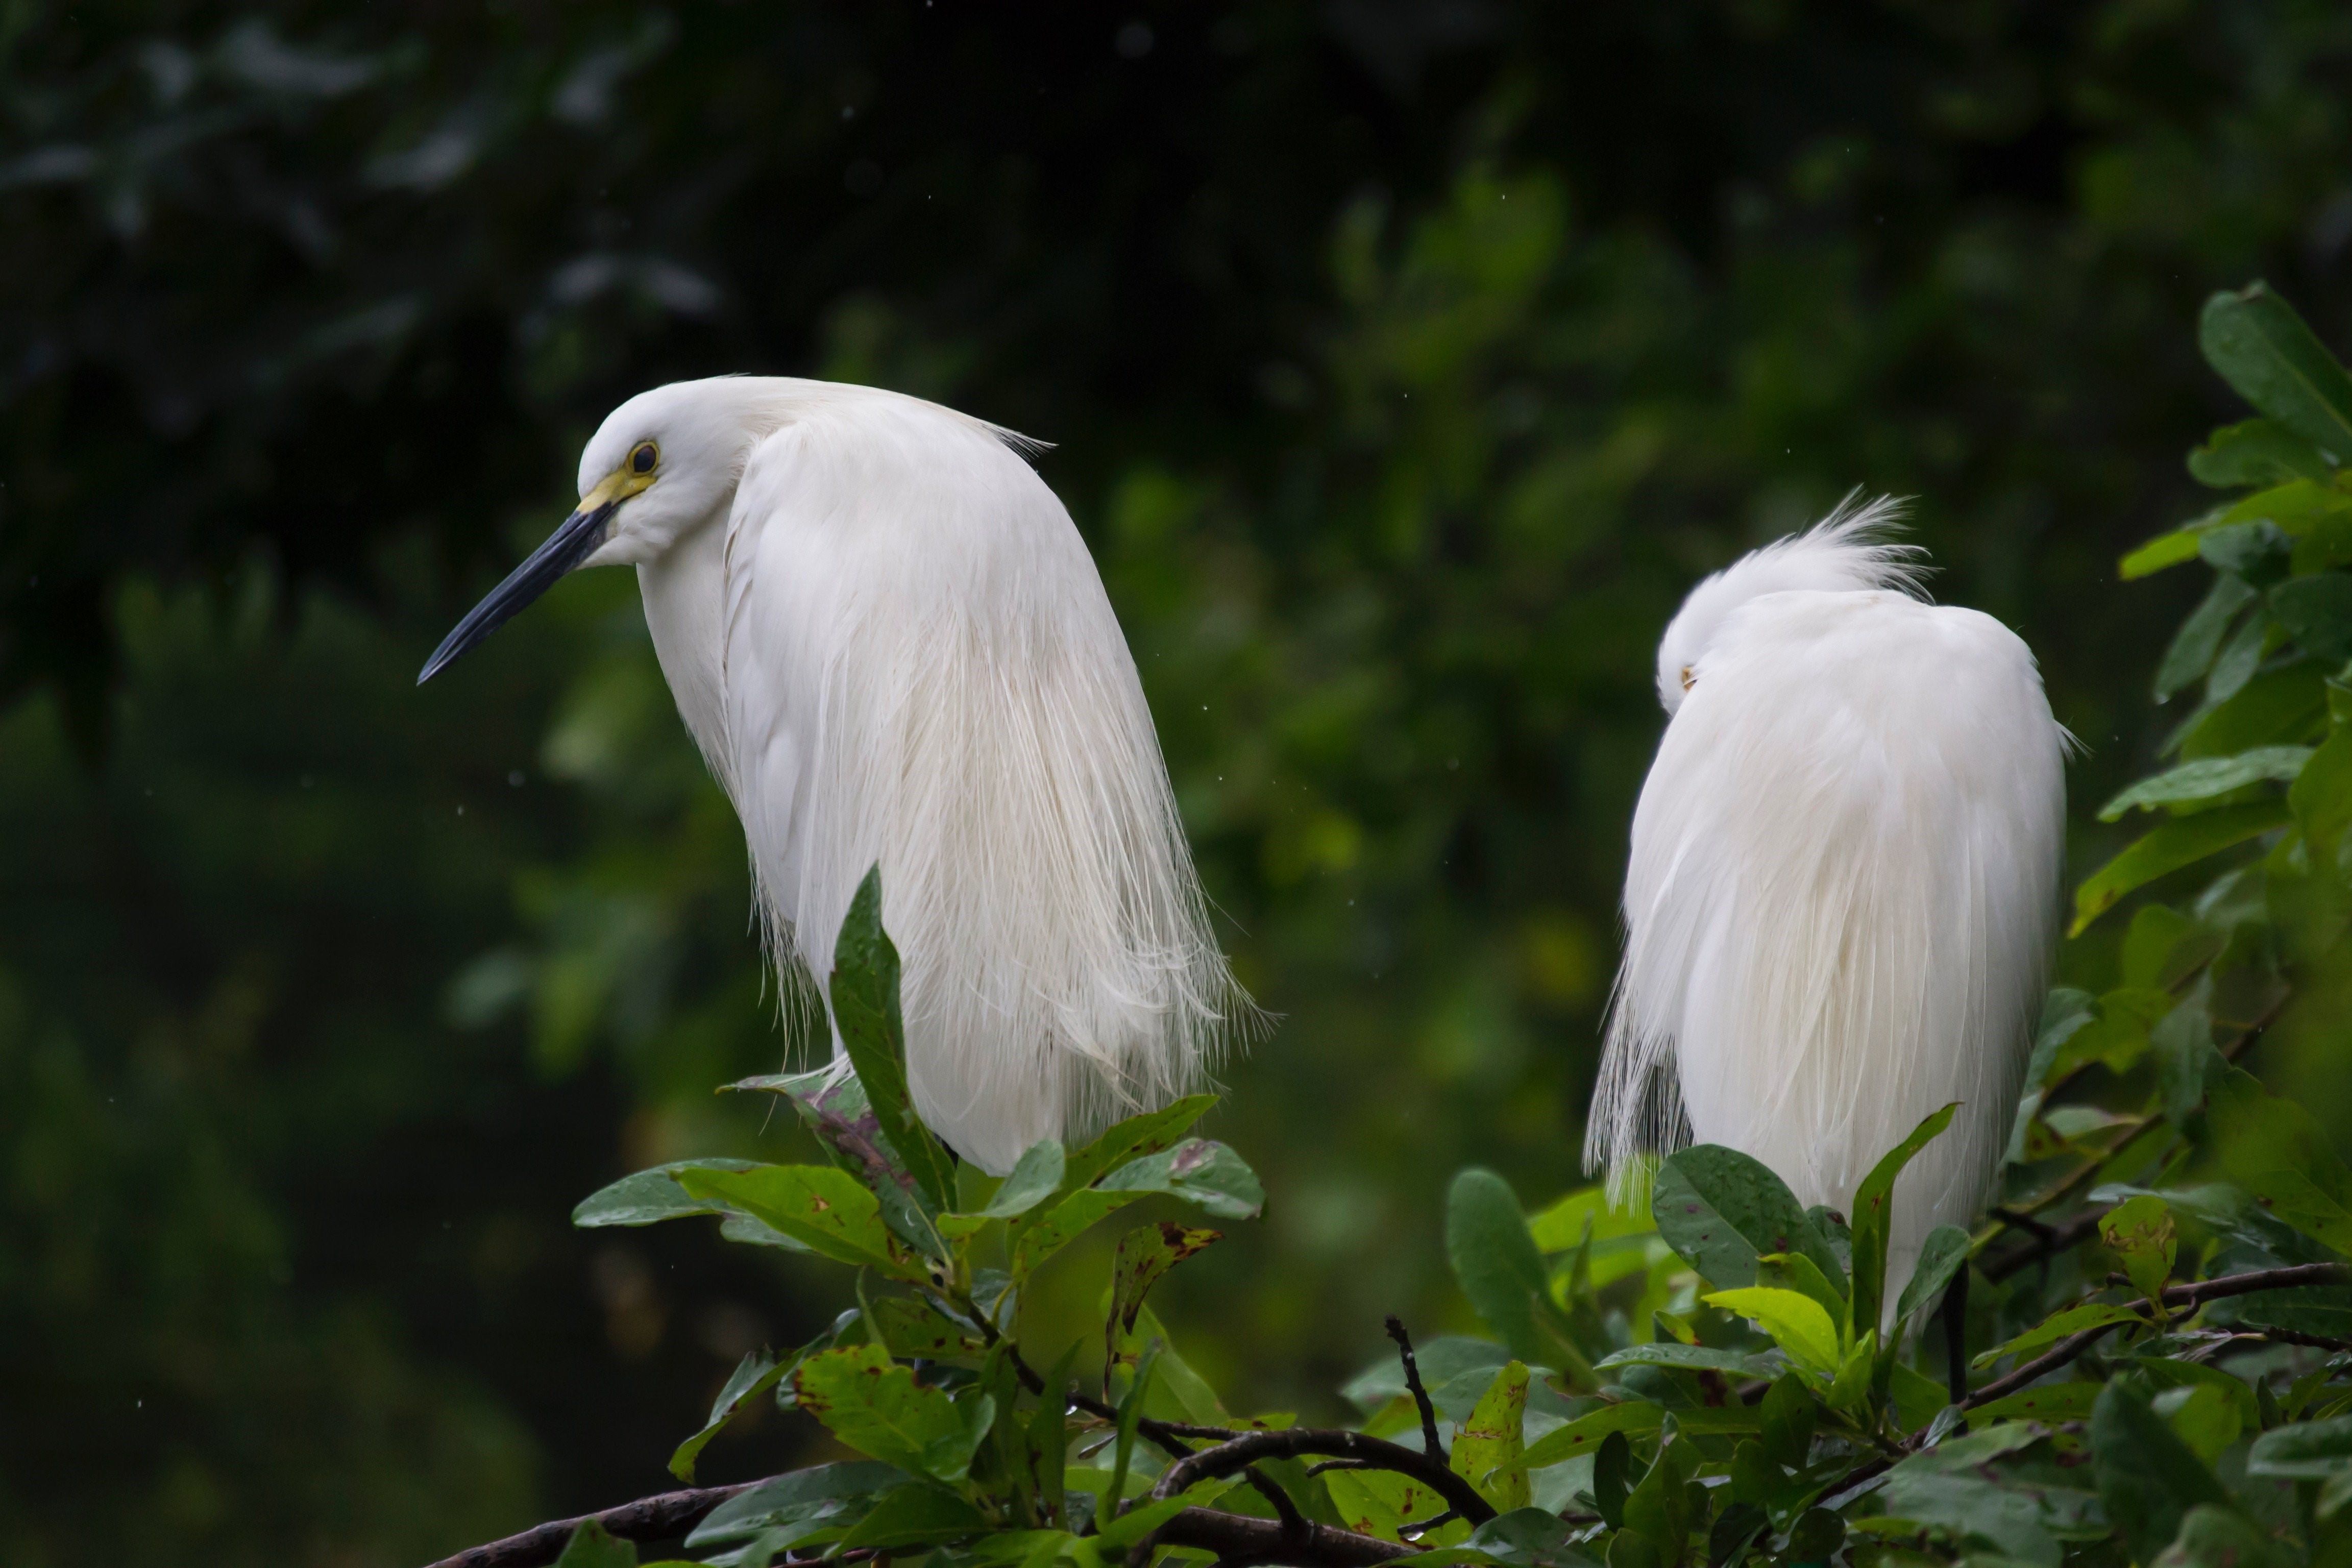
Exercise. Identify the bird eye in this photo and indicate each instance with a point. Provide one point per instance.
(643, 458)
(1689, 679)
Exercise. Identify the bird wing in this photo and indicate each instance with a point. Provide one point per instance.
(1841, 900)
(922, 670)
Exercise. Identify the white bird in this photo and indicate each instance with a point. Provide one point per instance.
(889, 642)
(1842, 894)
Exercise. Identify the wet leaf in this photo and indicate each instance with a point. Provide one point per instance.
(1488, 1446)
(864, 989)
(1720, 1211)
(876, 1407)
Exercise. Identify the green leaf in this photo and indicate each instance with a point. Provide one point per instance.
(1612, 1474)
(1177, 1392)
(1496, 1261)
(753, 1375)
(2048, 1403)
(1721, 1210)
(826, 1500)
(2316, 611)
(865, 993)
(1795, 1322)
(1993, 1485)
(1789, 1413)
(2272, 1149)
(1583, 1435)
(2174, 549)
(1659, 1509)
(1873, 1217)
(1144, 1255)
(2058, 1326)
(2014, 1519)
(1381, 1502)
(2282, 706)
(1696, 1358)
(2183, 1044)
(2203, 1416)
(592, 1546)
(653, 1196)
(2215, 1537)
(2321, 795)
(2209, 778)
(2307, 1451)
(1032, 1179)
(1560, 1226)
(2181, 842)
(914, 1515)
(1145, 1134)
(1795, 1271)
(1849, 1389)
(2256, 452)
(1139, 1522)
(1529, 1538)
(913, 1330)
(2147, 1477)
(2140, 1232)
(1130, 1414)
(1207, 1175)
(2198, 639)
(1487, 1446)
(824, 1209)
(2262, 348)
(2258, 550)
(1943, 1254)
(876, 1407)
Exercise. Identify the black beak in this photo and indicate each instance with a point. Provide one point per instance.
(569, 545)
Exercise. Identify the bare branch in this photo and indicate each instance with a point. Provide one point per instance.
(1240, 1541)
(656, 1517)
(1249, 1448)
(1429, 1443)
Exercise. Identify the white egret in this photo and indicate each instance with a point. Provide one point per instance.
(1842, 894)
(886, 635)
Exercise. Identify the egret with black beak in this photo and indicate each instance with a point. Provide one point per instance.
(886, 635)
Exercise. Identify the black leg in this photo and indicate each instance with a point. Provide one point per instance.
(1956, 1335)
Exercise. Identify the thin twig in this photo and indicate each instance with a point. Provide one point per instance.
(2288, 1278)
(1429, 1443)
(1251, 1447)
(2193, 1294)
(656, 1517)
(2058, 1355)
(1294, 1523)
(1423, 1526)
(2283, 1337)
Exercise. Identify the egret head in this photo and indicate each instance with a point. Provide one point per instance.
(661, 463)
(1847, 549)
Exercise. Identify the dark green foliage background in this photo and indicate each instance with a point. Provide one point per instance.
(1406, 363)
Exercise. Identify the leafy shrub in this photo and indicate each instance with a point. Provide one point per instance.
(2159, 1309)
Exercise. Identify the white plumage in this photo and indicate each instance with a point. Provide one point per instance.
(1843, 893)
(889, 640)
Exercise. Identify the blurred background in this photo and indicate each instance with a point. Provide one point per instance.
(1405, 360)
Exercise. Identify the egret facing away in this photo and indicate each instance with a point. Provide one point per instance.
(1844, 888)
(889, 642)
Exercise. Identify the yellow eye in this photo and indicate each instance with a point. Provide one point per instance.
(643, 457)
(1689, 679)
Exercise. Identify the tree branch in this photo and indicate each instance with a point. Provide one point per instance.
(2194, 1294)
(1429, 1443)
(1239, 1539)
(647, 1518)
(1251, 1447)
(2049, 1239)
